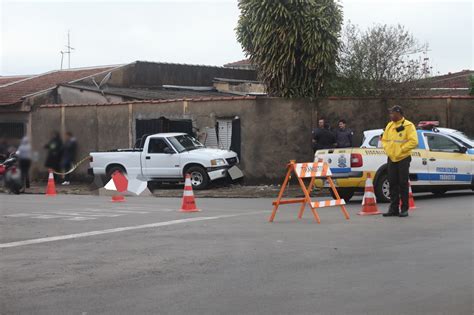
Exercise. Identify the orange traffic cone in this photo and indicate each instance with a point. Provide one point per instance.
(121, 184)
(189, 204)
(118, 198)
(411, 200)
(51, 188)
(369, 204)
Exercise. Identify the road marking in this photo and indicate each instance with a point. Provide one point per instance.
(79, 219)
(74, 215)
(121, 229)
(18, 215)
(114, 211)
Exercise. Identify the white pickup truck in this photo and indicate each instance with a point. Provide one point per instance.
(167, 157)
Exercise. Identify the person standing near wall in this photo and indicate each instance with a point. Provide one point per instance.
(69, 155)
(24, 160)
(323, 138)
(398, 139)
(343, 135)
(54, 147)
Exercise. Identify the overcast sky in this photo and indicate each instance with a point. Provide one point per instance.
(199, 32)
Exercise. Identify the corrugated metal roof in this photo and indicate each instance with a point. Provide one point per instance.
(153, 94)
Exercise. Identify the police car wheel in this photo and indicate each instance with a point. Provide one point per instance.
(382, 188)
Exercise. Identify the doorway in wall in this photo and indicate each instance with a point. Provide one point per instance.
(162, 124)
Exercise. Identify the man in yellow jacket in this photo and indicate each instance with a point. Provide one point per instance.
(398, 139)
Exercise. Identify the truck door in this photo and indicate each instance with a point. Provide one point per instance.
(160, 160)
(446, 164)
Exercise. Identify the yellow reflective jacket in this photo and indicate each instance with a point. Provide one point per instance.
(398, 144)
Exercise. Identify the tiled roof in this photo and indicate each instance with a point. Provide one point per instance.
(451, 80)
(243, 62)
(13, 93)
(10, 79)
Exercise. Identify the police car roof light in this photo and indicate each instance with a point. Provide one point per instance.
(428, 125)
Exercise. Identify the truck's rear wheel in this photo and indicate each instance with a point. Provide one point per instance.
(199, 178)
(113, 169)
(344, 193)
(382, 188)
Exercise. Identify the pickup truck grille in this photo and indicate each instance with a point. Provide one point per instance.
(232, 161)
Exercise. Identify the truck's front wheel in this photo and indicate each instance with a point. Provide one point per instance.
(199, 177)
(382, 188)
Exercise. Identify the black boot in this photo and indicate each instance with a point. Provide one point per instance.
(391, 213)
(403, 214)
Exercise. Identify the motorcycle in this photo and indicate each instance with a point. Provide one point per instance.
(11, 174)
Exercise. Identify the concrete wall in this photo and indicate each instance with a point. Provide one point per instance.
(243, 88)
(273, 130)
(369, 113)
(68, 95)
(43, 123)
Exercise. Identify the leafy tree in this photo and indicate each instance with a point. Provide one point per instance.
(383, 61)
(293, 43)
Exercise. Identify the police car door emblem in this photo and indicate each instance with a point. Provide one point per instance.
(342, 162)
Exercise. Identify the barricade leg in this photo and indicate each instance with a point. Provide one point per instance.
(303, 206)
(280, 194)
(308, 200)
(336, 194)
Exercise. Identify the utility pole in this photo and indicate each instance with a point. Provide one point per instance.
(68, 51)
(62, 58)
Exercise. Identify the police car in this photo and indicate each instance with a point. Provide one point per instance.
(372, 137)
(440, 163)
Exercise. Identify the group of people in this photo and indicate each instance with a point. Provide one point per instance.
(61, 154)
(398, 140)
(325, 138)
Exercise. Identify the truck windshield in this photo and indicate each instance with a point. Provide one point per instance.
(185, 143)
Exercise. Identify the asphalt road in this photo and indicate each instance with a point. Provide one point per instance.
(86, 255)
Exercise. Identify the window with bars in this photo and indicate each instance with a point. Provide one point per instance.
(12, 130)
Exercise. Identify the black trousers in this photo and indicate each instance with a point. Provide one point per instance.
(25, 172)
(398, 180)
(66, 166)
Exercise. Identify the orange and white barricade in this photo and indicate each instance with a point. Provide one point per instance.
(309, 170)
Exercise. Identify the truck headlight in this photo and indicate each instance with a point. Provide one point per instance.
(218, 162)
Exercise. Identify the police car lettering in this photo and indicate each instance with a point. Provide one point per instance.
(447, 169)
(447, 177)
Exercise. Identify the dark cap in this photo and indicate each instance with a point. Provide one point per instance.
(397, 109)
